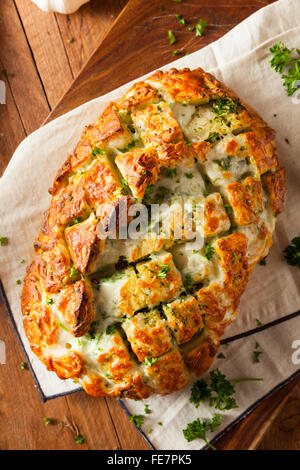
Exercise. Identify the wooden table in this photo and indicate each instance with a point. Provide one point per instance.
(40, 55)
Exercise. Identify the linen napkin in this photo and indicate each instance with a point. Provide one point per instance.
(241, 60)
(61, 6)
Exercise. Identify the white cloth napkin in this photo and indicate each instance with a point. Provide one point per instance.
(61, 6)
(241, 60)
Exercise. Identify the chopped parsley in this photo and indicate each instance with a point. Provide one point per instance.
(165, 268)
(79, 439)
(263, 261)
(221, 356)
(124, 186)
(213, 137)
(200, 391)
(23, 366)
(160, 423)
(147, 410)
(138, 420)
(200, 27)
(73, 272)
(97, 151)
(47, 421)
(188, 281)
(169, 172)
(69, 41)
(228, 209)
(150, 361)
(130, 146)
(292, 252)
(219, 392)
(111, 329)
(283, 62)
(3, 241)
(180, 19)
(189, 175)
(225, 163)
(61, 326)
(18, 282)
(256, 355)
(171, 37)
(176, 52)
(197, 429)
(208, 251)
(223, 106)
(49, 301)
(258, 322)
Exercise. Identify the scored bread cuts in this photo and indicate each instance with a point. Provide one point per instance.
(132, 317)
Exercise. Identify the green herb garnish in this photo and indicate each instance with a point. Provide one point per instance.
(282, 61)
(79, 439)
(292, 252)
(208, 251)
(73, 272)
(150, 361)
(61, 326)
(197, 429)
(171, 37)
(3, 241)
(213, 137)
(223, 106)
(200, 27)
(49, 301)
(138, 420)
(23, 366)
(228, 209)
(111, 329)
(147, 410)
(165, 268)
(97, 151)
(47, 421)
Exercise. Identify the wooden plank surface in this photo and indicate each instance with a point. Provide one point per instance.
(52, 49)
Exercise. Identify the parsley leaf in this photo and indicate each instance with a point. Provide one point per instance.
(138, 420)
(228, 209)
(222, 106)
(147, 410)
(169, 172)
(292, 252)
(208, 251)
(281, 56)
(110, 330)
(3, 241)
(256, 355)
(197, 429)
(200, 391)
(97, 151)
(200, 27)
(282, 61)
(171, 37)
(213, 137)
(79, 439)
(47, 421)
(188, 281)
(165, 268)
(150, 361)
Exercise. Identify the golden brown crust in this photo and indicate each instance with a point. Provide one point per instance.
(275, 183)
(201, 358)
(76, 306)
(140, 168)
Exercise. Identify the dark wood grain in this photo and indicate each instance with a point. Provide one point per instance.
(136, 44)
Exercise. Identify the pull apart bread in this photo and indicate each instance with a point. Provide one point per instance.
(133, 317)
